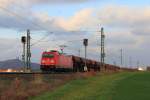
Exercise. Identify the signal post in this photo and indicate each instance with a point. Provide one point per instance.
(85, 43)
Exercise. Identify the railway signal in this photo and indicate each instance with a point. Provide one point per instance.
(85, 43)
(23, 40)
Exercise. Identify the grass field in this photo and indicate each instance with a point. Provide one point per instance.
(120, 86)
(136, 87)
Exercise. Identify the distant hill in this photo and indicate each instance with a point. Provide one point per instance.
(16, 64)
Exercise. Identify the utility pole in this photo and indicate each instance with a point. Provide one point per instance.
(130, 61)
(79, 52)
(138, 64)
(28, 55)
(121, 58)
(114, 62)
(85, 43)
(102, 49)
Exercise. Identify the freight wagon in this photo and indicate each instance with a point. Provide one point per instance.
(55, 61)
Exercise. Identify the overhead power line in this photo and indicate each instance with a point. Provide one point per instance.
(23, 19)
(45, 36)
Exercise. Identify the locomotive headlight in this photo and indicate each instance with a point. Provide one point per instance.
(43, 61)
(52, 61)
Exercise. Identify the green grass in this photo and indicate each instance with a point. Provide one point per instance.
(136, 87)
(121, 86)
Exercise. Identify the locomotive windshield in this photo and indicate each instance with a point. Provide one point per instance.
(48, 55)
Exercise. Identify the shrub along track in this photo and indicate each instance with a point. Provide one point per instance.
(21, 86)
(117, 86)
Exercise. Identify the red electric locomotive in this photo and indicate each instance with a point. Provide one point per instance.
(53, 60)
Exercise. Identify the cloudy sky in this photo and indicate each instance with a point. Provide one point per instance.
(67, 22)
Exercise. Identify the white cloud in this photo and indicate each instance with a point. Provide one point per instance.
(79, 20)
(10, 48)
(31, 3)
(59, 1)
(124, 16)
(125, 27)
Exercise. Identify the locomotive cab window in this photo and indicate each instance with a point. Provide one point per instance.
(48, 55)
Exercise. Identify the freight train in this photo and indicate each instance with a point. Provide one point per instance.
(55, 61)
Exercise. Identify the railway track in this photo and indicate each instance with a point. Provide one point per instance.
(35, 75)
(30, 73)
